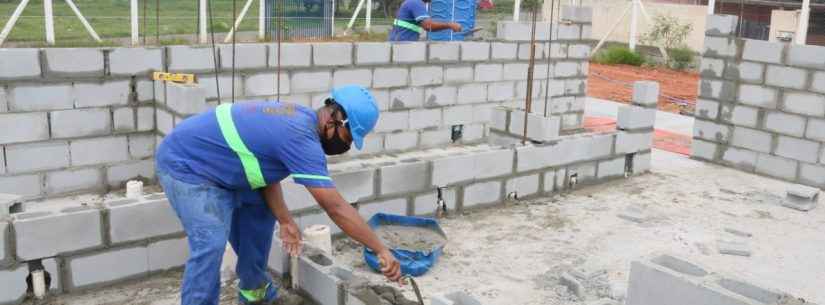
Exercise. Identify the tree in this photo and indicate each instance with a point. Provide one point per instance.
(667, 31)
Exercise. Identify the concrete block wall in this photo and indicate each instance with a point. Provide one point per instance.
(761, 106)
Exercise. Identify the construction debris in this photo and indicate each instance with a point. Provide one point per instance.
(733, 248)
(738, 232)
(801, 197)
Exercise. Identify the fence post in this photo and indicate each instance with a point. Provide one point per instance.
(261, 19)
(202, 22)
(48, 15)
(804, 15)
(135, 26)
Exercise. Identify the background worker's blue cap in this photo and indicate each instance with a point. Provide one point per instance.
(361, 110)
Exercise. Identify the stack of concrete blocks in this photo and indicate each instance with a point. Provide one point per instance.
(562, 53)
(510, 123)
(83, 247)
(801, 197)
(75, 120)
(761, 106)
(670, 280)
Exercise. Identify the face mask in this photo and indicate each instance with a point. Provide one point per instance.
(335, 145)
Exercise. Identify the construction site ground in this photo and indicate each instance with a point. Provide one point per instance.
(515, 254)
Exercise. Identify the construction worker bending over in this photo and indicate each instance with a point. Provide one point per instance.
(221, 171)
(412, 19)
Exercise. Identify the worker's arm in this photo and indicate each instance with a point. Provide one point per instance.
(348, 219)
(434, 26)
(288, 231)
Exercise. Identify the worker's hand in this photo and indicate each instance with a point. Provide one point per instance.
(290, 235)
(455, 27)
(389, 266)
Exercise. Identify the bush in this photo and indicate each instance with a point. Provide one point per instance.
(667, 31)
(617, 55)
(681, 58)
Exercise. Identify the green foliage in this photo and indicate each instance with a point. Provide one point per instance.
(667, 31)
(680, 58)
(618, 55)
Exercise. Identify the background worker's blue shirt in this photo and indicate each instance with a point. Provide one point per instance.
(412, 11)
(283, 136)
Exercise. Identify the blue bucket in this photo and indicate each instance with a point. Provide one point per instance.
(414, 263)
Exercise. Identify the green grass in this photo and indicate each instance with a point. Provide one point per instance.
(618, 55)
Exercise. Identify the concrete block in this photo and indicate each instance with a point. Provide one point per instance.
(361, 77)
(454, 298)
(263, 84)
(501, 91)
(786, 77)
(585, 173)
(804, 103)
(520, 31)
(711, 131)
(488, 72)
(428, 75)
(247, 56)
(720, 25)
(43, 234)
(801, 197)
(818, 82)
(401, 140)
(124, 119)
(393, 121)
(454, 169)
(444, 52)
(22, 185)
(482, 194)
(190, 58)
(4, 100)
(331, 54)
(812, 174)
(458, 74)
(504, 51)
(14, 287)
(392, 206)
(566, 69)
(577, 51)
(788, 124)
(752, 139)
(802, 191)
(185, 100)
(574, 87)
(390, 77)
(135, 61)
(633, 142)
(733, 248)
(81, 123)
(475, 51)
(165, 121)
(406, 98)
(306, 221)
(145, 90)
(474, 133)
(712, 67)
(645, 93)
(141, 145)
(577, 14)
(355, 186)
(435, 138)
(524, 186)
(758, 96)
(720, 47)
(37, 156)
(74, 61)
(409, 52)
(776, 166)
(515, 71)
(498, 119)
(703, 150)
(6, 253)
(806, 56)
(798, 149)
(472, 93)
(372, 53)
(567, 32)
(745, 116)
(73, 180)
(404, 177)
(167, 254)
(763, 51)
(493, 163)
(117, 175)
(641, 163)
(224, 82)
(440, 96)
(423, 118)
(427, 204)
(482, 113)
(707, 109)
(815, 130)
(121, 264)
(634, 117)
(524, 53)
(460, 115)
(99, 150)
(296, 196)
(19, 63)
(279, 261)
(115, 93)
(612, 168)
(40, 98)
(717, 89)
(745, 71)
(539, 128)
(131, 220)
(303, 82)
(373, 143)
(292, 55)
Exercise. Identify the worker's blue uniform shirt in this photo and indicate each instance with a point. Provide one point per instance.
(283, 137)
(412, 11)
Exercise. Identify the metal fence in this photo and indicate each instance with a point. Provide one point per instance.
(300, 19)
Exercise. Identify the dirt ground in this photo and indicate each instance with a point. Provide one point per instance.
(515, 254)
(611, 82)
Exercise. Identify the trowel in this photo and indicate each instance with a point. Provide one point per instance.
(408, 279)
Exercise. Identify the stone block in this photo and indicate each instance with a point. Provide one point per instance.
(409, 52)
(806, 56)
(720, 47)
(393, 121)
(515, 71)
(362, 77)
(117, 175)
(406, 98)
(263, 84)
(612, 168)
(124, 119)
(475, 51)
(40, 97)
(411, 176)
(428, 75)
(37, 156)
(461, 74)
(427, 204)
(804, 103)
(483, 193)
(501, 91)
(116, 93)
(73, 180)
(424, 118)
(786, 77)
(99, 150)
(135, 61)
(444, 52)
(167, 254)
(788, 124)
(401, 140)
(81, 123)
(488, 72)
(758, 96)
(121, 264)
(74, 61)
(523, 186)
(717, 89)
(367, 53)
(707, 109)
(815, 130)
(355, 186)
(776, 166)
(43, 234)
(472, 93)
(331, 54)
(711, 131)
(645, 93)
(247, 56)
(712, 67)
(634, 117)
(703, 150)
(566, 69)
(798, 149)
(812, 174)
(745, 71)
(520, 31)
(577, 14)
(763, 51)
(392, 206)
(460, 115)
(752, 139)
(390, 77)
(292, 55)
(440, 96)
(131, 220)
(304, 82)
(190, 58)
(19, 63)
(504, 51)
(721, 25)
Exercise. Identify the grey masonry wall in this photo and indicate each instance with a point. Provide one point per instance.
(761, 106)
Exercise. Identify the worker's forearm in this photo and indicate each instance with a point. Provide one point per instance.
(275, 201)
(434, 26)
(348, 219)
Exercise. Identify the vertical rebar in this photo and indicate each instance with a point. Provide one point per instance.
(741, 17)
(279, 28)
(234, 17)
(528, 102)
(549, 48)
(143, 31)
